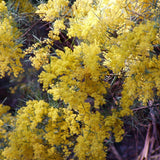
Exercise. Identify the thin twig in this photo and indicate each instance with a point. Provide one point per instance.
(136, 109)
(136, 13)
(157, 156)
(144, 153)
(30, 28)
(115, 152)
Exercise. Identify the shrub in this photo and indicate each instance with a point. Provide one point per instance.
(102, 39)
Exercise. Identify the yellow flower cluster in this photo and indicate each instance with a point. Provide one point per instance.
(4, 119)
(41, 54)
(42, 132)
(141, 9)
(23, 6)
(132, 52)
(73, 76)
(97, 20)
(6, 123)
(20, 6)
(90, 142)
(131, 46)
(53, 9)
(10, 51)
(58, 25)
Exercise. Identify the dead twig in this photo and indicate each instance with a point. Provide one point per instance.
(157, 156)
(139, 108)
(30, 28)
(115, 152)
(144, 153)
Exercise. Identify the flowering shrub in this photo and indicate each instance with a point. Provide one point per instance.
(118, 37)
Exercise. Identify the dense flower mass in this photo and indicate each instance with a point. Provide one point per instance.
(6, 122)
(132, 53)
(41, 132)
(10, 51)
(73, 76)
(108, 37)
